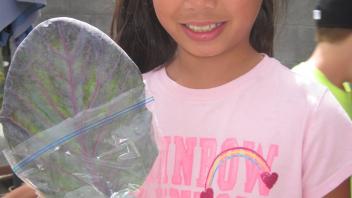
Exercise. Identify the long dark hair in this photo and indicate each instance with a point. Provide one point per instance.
(137, 30)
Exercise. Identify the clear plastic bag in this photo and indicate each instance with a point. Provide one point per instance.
(74, 114)
(106, 152)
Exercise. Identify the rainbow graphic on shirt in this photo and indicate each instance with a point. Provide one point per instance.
(269, 178)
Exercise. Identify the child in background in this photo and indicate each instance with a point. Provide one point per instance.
(331, 62)
(234, 121)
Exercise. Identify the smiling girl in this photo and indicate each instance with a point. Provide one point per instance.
(234, 121)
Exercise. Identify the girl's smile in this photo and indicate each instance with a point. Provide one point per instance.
(203, 31)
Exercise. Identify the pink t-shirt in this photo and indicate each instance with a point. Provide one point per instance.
(268, 133)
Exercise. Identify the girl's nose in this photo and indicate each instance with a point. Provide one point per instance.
(200, 4)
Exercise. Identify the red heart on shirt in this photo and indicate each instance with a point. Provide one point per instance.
(269, 179)
(208, 193)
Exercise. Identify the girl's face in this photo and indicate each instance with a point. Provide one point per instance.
(208, 27)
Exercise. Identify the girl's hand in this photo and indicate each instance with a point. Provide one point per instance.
(24, 191)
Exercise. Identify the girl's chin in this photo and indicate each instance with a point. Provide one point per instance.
(205, 53)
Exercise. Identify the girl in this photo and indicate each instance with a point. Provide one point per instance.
(234, 121)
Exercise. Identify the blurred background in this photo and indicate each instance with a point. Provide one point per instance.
(294, 40)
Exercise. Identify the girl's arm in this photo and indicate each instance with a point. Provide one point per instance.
(23, 191)
(342, 191)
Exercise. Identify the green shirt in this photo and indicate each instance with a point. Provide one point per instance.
(343, 96)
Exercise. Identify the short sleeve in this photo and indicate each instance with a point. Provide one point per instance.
(327, 148)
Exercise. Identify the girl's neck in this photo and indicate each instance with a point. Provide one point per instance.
(208, 72)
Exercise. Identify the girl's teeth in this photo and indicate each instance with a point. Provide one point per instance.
(205, 28)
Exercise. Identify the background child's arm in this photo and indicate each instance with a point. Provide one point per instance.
(342, 191)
